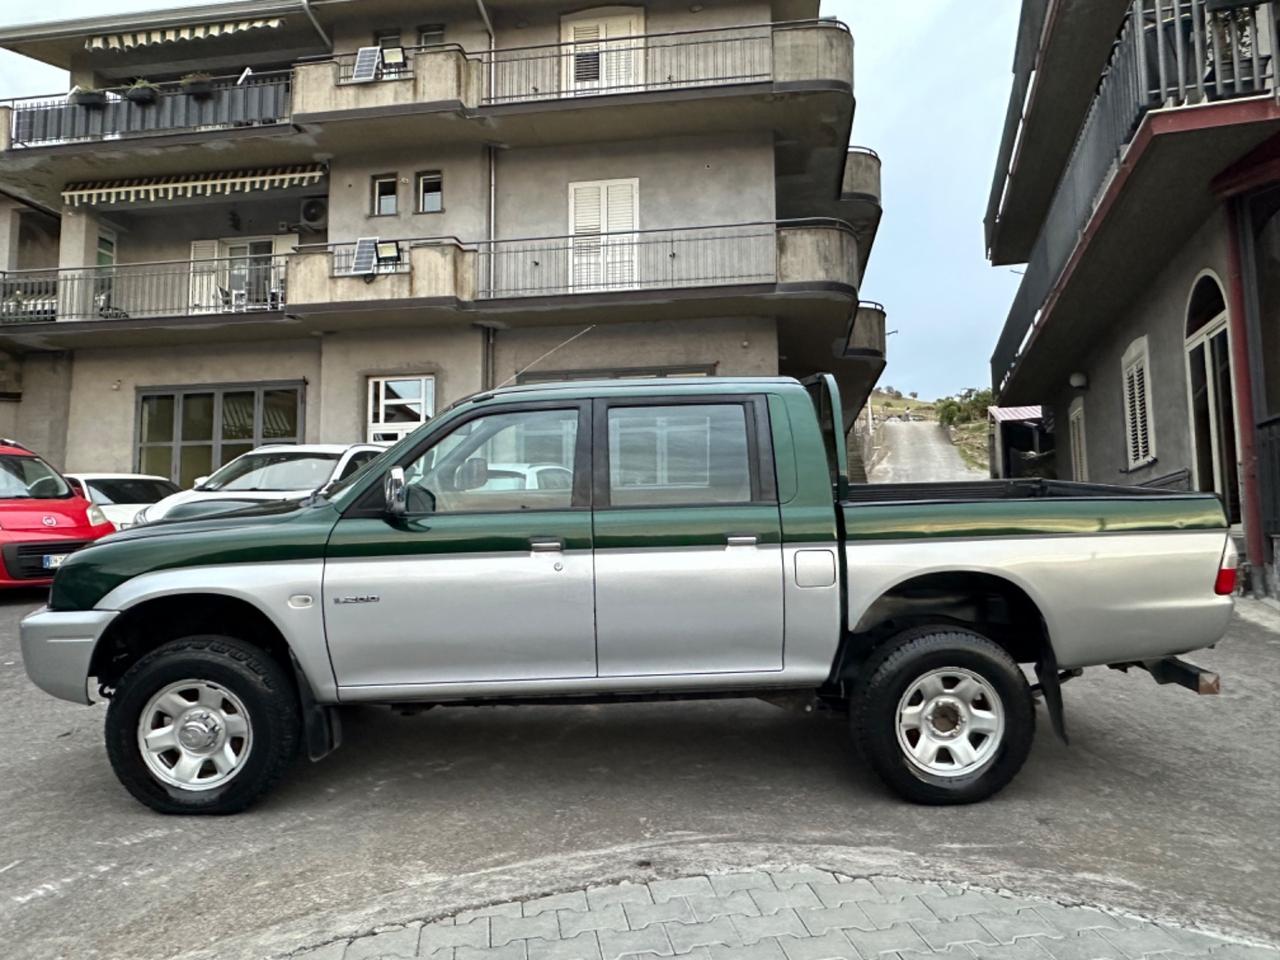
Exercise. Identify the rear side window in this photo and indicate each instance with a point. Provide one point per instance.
(682, 454)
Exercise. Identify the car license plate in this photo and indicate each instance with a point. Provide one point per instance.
(52, 561)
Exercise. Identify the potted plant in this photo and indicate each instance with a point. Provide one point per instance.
(142, 92)
(89, 97)
(198, 85)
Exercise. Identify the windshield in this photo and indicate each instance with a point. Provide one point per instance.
(129, 490)
(276, 471)
(30, 478)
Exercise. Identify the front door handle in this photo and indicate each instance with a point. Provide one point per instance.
(546, 544)
(742, 540)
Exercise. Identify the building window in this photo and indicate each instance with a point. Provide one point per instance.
(431, 35)
(1140, 430)
(188, 432)
(384, 195)
(398, 405)
(430, 192)
(387, 38)
(1075, 430)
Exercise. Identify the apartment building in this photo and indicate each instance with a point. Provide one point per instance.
(324, 220)
(1139, 182)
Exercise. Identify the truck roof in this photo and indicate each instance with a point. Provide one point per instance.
(578, 388)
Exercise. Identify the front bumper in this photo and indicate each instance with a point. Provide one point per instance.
(57, 647)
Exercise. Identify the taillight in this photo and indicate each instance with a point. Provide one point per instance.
(1225, 584)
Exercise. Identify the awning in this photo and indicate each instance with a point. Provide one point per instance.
(201, 31)
(1014, 414)
(150, 189)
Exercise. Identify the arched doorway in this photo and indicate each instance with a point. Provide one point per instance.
(1209, 384)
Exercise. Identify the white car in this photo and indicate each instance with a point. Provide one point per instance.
(274, 472)
(122, 496)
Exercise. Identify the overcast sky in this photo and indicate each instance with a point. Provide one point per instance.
(931, 87)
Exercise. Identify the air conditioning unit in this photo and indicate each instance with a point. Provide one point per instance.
(314, 213)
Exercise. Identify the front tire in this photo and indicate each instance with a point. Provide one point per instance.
(943, 715)
(202, 725)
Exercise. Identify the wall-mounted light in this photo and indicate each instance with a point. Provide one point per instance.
(1078, 381)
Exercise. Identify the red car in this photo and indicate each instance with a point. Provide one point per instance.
(42, 520)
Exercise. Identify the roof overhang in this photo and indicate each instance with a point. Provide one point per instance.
(1056, 74)
(226, 182)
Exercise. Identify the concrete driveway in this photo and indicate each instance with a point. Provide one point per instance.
(1164, 805)
(919, 451)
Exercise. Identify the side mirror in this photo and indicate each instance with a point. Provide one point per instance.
(473, 474)
(200, 482)
(395, 492)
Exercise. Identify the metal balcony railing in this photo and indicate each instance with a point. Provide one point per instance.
(1169, 53)
(142, 290)
(645, 62)
(260, 99)
(635, 260)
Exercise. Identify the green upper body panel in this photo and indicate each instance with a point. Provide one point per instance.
(259, 534)
(1036, 516)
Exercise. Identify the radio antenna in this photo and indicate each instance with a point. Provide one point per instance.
(563, 343)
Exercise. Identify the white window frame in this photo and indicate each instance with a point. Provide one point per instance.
(611, 249)
(374, 181)
(382, 431)
(1135, 366)
(420, 180)
(1078, 441)
(606, 48)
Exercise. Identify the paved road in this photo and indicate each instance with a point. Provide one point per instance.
(920, 452)
(1164, 805)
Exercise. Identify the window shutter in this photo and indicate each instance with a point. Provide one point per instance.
(1137, 412)
(586, 222)
(620, 221)
(204, 275)
(622, 56)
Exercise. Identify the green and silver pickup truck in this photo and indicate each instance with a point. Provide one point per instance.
(628, 540)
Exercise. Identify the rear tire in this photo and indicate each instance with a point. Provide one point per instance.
(943, 715)
(202, 725)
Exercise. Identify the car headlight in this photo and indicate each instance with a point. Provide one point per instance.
(96, 517)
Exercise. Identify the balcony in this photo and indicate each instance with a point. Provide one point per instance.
(144, 291)
(260, 100)
(573, 89)
(1168, 56)
(645, 274)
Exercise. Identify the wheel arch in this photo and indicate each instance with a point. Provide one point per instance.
(996, 604)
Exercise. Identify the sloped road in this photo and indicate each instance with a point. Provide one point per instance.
(920, 452)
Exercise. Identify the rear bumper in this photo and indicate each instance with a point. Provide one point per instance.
(57, 647)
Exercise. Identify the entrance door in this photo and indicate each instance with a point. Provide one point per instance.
(489, 575)
(250, 277)
(1212, 413)
(688, 537)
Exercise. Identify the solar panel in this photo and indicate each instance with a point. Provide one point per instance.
(365, 260)
(368, 60)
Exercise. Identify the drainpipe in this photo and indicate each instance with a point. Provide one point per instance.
(1251, 501)
(306, 8)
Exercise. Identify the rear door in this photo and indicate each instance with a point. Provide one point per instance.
(687, 534)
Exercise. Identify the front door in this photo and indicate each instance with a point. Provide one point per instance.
(1213, 422)
(688, 537)
(489, 575)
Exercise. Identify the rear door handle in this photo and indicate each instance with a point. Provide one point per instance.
(546, 544)
(742, 540)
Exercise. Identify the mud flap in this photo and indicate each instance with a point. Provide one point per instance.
(321, 727)
(1051, 686)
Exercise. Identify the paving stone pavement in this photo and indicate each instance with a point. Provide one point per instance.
(786, 915)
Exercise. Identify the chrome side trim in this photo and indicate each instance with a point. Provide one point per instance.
(270, 587)
(57, 647)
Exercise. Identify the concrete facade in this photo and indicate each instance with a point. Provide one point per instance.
(1161, 316)
(730, 304)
